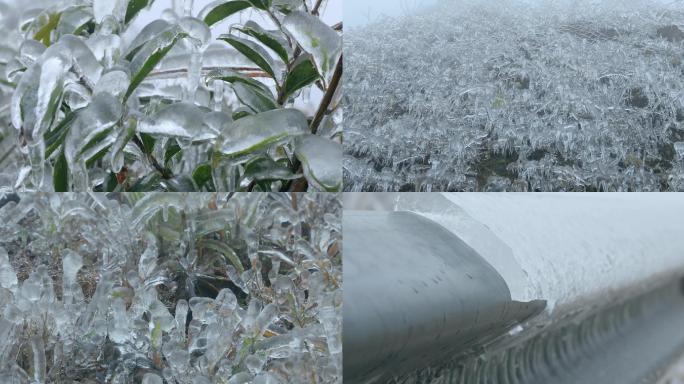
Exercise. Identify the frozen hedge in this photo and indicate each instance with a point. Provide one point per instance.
(522, 95)
(191, 288)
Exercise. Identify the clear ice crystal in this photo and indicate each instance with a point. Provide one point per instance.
(8, 278)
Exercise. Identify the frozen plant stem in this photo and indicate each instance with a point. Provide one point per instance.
(327, 97)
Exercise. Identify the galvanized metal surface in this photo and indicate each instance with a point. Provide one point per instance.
(610, 268)
(415, 294)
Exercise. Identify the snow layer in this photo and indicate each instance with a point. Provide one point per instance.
(569, 249)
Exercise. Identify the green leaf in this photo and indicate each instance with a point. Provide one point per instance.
(148, 142)
(225, 250)
(202, 175)
(253, 98)
(235, 77)
(302, 74)
(44, 33)
(135, 6)
(60, 174)
(253, 52)
(151, 54)
(171, 150)
(225, 10)
(321, 160)
(266, 38)
(55, 137)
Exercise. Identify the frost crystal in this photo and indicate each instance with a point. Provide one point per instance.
(195, 288)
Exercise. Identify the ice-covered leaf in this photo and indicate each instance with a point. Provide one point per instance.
(303, 73)
(253, 52)
(146, 34)
(104, 8)
(220, 10)
(182, 120)
(74, 19)
(225, 250)
(321, 159)
(44, 33)
(274, 40)
(37, 96)
(60, 174)
(115, 83)
(252, 133)
(264, 168)
(236, 77)
(150, 54)
(253, 98)
(88, 134)
(316, 38)
(134, 7)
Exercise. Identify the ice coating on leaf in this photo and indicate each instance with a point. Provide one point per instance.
(148, 32)
(8, 278)
(152, 203)
(183, 120)
(114, 82)
(148, 260)
(322, 161)
(256, 132)
(37, 95)
(30, 51)
(104, 8)
(83, 57)
(196, 29)
(102, 114)
(316, 38)
(105, 48)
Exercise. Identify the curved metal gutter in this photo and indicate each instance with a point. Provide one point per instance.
(415, 293)
(609, 269)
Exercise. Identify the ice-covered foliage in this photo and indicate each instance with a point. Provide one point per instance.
(518, 95)
(174, 288)
(92, 101)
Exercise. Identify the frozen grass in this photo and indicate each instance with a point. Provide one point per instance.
(570, 96)
(195, 288)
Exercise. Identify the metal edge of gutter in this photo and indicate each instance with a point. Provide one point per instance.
(631, 340)
(415, 294)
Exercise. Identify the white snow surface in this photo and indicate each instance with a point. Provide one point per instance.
(573, 250)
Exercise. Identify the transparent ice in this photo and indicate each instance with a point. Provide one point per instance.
(108, 288)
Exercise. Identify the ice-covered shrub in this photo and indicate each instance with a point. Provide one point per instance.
(518, 95)
(191, 288)
(89, 101)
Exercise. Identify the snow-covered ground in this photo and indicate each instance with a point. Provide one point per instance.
(572, 95)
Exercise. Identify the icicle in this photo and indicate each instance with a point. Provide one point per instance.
(194, 73)
(39, 364)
